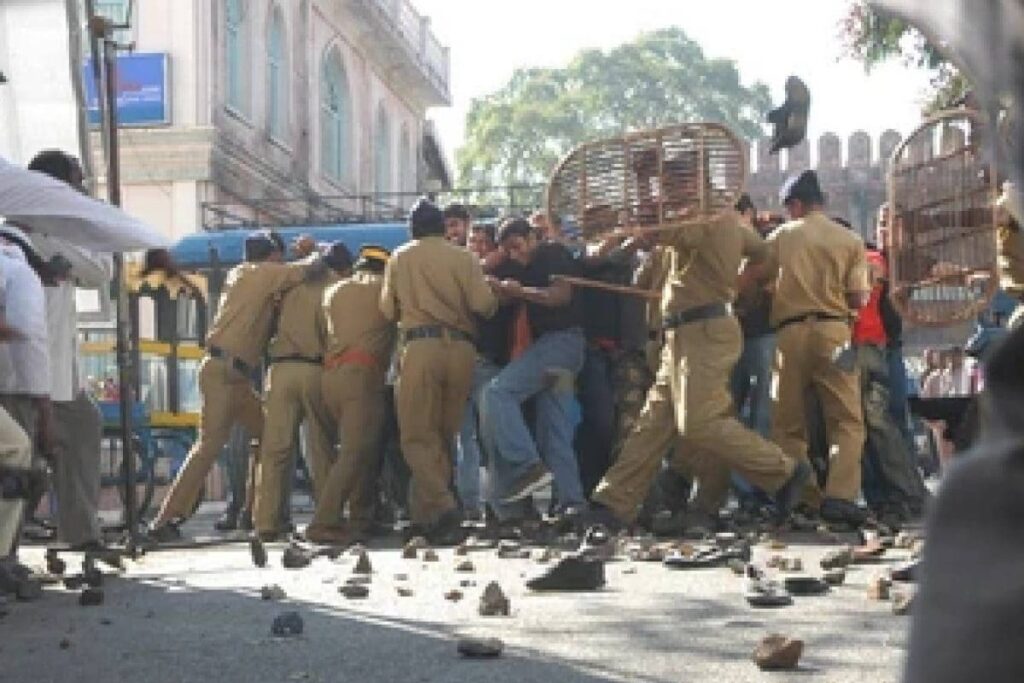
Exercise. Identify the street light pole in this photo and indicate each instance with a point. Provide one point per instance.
(101, 31)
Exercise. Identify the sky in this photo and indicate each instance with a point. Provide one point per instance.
(768, 39)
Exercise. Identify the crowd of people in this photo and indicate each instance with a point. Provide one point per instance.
(644, 378)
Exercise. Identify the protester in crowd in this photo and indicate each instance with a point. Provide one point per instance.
(457, 224)
(892, 484)
(549, 318)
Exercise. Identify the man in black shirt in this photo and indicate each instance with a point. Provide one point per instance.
(546, 370)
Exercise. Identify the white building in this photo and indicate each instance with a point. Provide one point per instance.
(283, 110)
(276, 110)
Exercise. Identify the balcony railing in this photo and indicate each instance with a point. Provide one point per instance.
(413, 31)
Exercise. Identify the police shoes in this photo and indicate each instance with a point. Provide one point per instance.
(572, 573)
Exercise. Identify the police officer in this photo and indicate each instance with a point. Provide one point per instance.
(690, 396)
(432, 289)
(234, 347)
(820, 279)
(359, 345)
(292, 394)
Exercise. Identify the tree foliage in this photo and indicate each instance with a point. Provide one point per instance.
(517, 134)
(874, 37)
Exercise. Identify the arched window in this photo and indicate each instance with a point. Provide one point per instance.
(382, 150)
(406, 165)
(335, 117)
(277, 76)
(237, 56)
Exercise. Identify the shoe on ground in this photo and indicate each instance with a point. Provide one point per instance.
(805, 585)
(536, 478)
(789, 493)
(708, 558)
(836, 511)
(572, 573)
(323, 535)
(228, 521)
(447, 530)
(907, 572)
(598, 515)
(165, 532)
(763, 592)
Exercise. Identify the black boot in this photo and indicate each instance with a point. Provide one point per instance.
(573, 573)
(228, 521)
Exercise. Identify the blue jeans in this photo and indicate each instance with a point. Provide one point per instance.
(898, 393)
(467, 442)
(506, 435)
(751, 383)
(750, 386)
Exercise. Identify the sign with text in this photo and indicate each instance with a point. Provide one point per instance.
(143, 90)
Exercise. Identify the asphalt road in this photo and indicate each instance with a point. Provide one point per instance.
(197, 616)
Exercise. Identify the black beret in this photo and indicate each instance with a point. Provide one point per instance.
(804, 187)
(426, 218)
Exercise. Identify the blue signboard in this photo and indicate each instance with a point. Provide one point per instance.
(143, 93)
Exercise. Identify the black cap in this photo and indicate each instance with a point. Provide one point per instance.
(426, 219)
(261, 244)
(804, 187)
(338, 257)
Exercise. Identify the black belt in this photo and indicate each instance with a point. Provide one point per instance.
(315, 360)
(696, 314)
(816, 317)
(436, 332)
(236, 363)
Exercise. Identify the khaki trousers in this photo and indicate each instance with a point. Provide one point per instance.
(805, 361)
(78, 432)
(691, 398)
(435, 378)
(293, 395)
(228, 397)
(354, 397)
(15, 452)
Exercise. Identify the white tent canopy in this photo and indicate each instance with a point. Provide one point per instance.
(45, 205)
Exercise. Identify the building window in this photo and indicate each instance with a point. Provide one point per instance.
(406, 165)
(335, 117)
(382, 151)
(277, 76)
(237, 55)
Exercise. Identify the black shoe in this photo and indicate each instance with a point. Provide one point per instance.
(598, 515)
(710, 557)
(572, 573)
(534, 480)
(168, 532)
(447, 530)
(228, 521)
(836, 511)
(789, 493)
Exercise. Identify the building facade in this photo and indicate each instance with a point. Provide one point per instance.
(281, 111)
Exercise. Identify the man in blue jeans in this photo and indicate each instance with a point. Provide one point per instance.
(544, 371)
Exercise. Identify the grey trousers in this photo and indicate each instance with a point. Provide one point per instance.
(78, 432)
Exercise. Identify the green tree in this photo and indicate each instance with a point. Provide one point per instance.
(873, 37)
(518, 134)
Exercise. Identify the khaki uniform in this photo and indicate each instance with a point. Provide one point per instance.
(237, 338)
(16, 453)
(431, 283)
(817, 263)
(690, 396)
(1011, 268)
(293, 397)
(359, 344)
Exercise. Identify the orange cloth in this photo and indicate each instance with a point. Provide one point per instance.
(522, 337)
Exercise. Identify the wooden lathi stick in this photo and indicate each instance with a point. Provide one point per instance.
(608, 287)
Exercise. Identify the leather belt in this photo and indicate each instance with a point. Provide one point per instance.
(696, 314)
(351, 357)
(314, 360)
(815, 317)
(436, 332)
(235, 362)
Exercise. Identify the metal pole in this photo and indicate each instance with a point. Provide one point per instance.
(124, 370)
